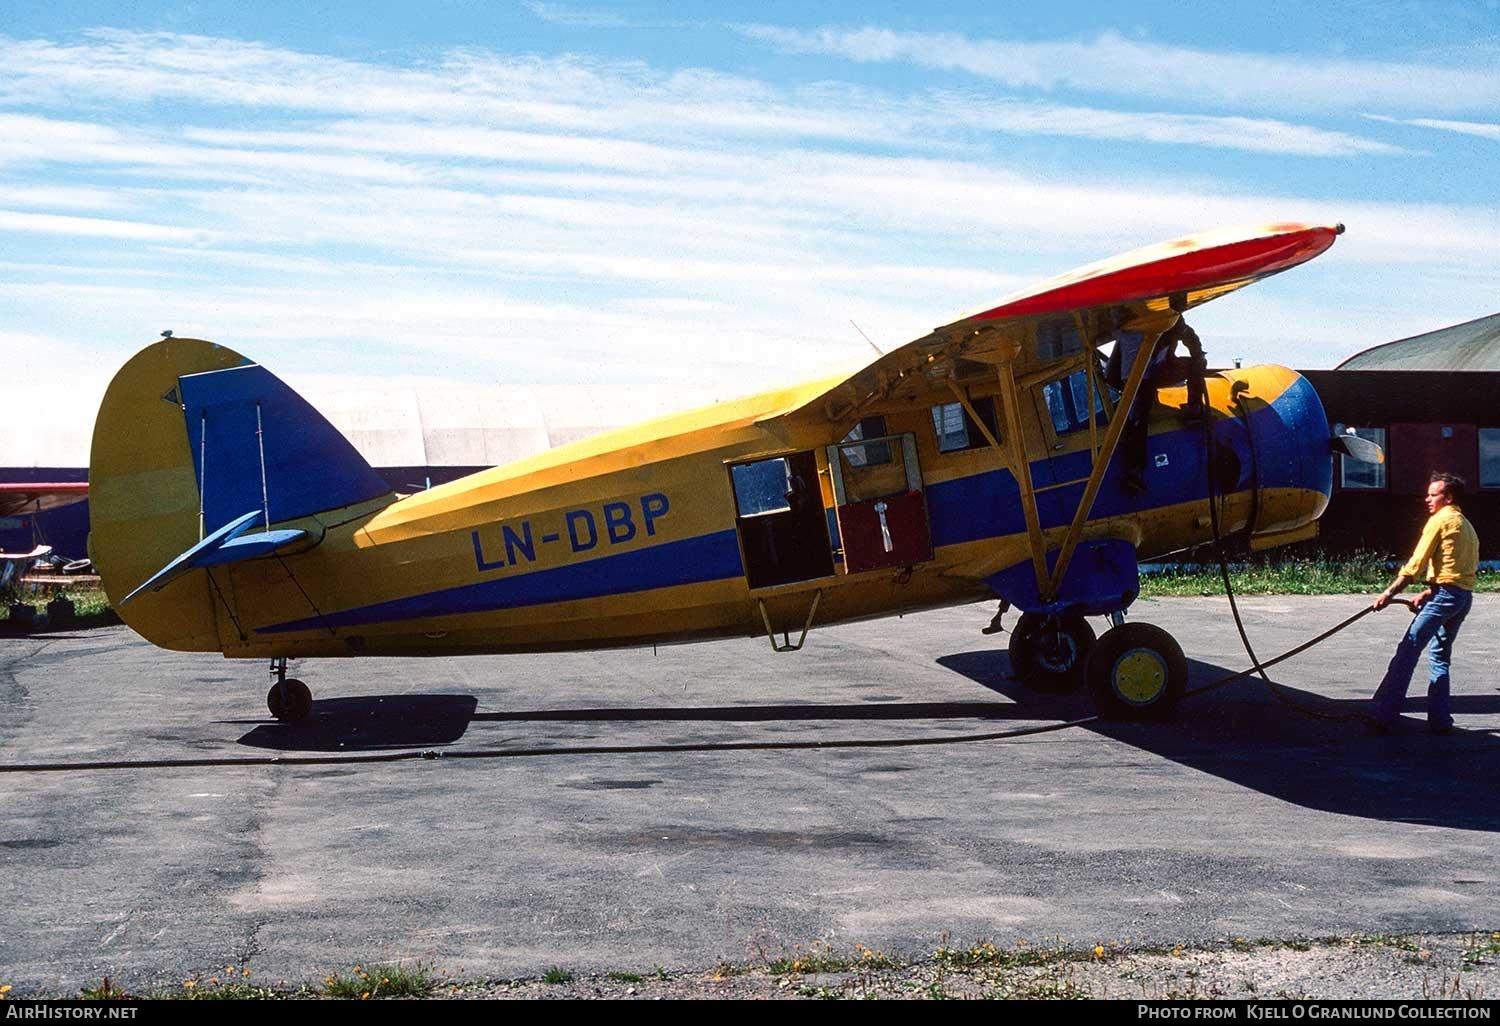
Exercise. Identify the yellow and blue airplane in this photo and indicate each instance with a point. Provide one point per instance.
(1000, 455)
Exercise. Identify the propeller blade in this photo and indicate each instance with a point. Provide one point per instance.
(1357, 448)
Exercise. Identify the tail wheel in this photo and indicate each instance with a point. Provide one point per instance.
(1050, 651)
(1137, 672)
(290, 701)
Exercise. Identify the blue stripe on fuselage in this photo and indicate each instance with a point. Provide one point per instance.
(709, 557)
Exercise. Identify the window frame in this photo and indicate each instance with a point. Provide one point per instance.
(739, 496)
(1382, 469)
(989, 416)
(1479, 478)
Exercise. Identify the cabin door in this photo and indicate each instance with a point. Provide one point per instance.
(783, 529)
(882, 513)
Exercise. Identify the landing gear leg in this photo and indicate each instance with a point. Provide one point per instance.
(289, 699)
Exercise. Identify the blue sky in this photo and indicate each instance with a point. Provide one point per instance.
(549, 192)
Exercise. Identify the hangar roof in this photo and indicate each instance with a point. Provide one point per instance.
(410, 426)
(1471, 346)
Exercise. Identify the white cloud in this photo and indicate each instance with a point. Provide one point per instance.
(98, 227)
(578, 99)
(1114, 65)
(1255, 135)
(64, 196)
(1482, 129)
(575, 17)
(535, 219)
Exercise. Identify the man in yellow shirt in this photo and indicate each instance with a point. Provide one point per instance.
(1447, 559)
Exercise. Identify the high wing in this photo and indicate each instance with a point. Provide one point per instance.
(32, 497)
(1060, 317)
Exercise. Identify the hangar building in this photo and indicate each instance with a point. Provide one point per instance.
(1432, 402)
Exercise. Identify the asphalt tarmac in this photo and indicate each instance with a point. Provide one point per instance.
(1245, 817)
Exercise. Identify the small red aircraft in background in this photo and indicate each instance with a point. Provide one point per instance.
(17, 498)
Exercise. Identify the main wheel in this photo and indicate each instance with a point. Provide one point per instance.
(1136, 672)
(1050, 651)
(296, 704)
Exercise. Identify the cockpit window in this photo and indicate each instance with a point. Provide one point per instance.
(1068, 403)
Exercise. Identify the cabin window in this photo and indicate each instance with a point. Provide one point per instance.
(1068, 403)
(762, 487)
(957, 431)
(1489, 457)
(872, 454)
(1360, 475)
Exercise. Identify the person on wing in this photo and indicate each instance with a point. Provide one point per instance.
(1447, 558)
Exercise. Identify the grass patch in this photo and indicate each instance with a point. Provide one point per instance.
(556, 975)
(1383, 940)
(625, 977)
(820, 958)
(1318, 573)
(91, 606)
(392, 981)
(986, 955)
(1483, 950)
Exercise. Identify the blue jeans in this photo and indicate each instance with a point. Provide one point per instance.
(1435, 627)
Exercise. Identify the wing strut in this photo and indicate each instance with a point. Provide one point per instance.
(1090, 372)
(1019, 468)
(1023, 474)
(1123, 410)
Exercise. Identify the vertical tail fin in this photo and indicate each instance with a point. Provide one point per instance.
(191, 438)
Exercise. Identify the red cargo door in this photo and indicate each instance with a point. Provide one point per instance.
(882, 514)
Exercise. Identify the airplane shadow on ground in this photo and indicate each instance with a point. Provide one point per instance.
(1301, 748)
(411, 721)
(370, 724)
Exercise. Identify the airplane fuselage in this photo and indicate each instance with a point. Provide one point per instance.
(641, 536)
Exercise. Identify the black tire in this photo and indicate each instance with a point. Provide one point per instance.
(1050, 651)
(1137, 672)
(295, 706)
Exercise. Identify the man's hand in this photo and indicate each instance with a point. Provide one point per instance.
(1421, 599)
(1397, 586)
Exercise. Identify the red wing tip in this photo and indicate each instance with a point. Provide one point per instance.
(1289, 227)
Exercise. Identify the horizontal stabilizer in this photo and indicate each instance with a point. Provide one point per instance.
(229, 544)
(249, 546)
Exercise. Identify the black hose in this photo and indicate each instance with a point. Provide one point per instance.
(531, 753)
(1239, 624)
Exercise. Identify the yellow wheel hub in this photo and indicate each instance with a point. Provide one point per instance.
(1140, 676)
